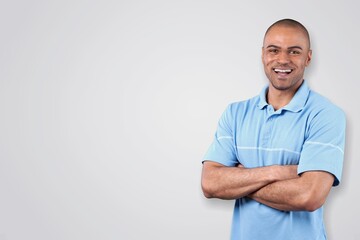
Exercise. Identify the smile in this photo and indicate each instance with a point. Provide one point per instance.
(287, 71)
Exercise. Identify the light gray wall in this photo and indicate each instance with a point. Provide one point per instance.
(107, 108)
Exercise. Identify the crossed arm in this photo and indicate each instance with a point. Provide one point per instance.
(276, 186)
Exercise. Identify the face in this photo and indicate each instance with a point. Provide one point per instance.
(285, 55)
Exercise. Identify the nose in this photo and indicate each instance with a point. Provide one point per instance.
(283, 57)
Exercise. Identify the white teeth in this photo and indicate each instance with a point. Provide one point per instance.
(282, 70)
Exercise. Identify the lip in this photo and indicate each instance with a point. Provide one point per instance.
(282, 70)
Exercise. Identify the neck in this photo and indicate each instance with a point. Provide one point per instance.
(280, 98)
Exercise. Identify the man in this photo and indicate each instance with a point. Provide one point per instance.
(278, 154)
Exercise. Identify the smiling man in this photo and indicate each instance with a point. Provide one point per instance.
(278, 154)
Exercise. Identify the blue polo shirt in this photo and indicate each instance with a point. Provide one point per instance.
(309, 132)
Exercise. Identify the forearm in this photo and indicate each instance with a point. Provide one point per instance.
(223, 182)
(306, 193)
(282, 195)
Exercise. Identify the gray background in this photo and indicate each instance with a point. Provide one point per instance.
(107, 108)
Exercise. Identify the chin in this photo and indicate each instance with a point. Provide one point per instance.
(284, 84)
(280, 85)
(282, 88)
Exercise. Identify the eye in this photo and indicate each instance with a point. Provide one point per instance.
(273, 50)
(294, 52)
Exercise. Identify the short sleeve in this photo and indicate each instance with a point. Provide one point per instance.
(222, 149)
(323, 149)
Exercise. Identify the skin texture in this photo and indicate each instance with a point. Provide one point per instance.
(285, 48)
(308, 192)
(223, 182)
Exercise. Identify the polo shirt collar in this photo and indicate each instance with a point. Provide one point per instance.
(296, 104)
(262, 101)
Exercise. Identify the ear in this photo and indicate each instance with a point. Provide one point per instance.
(262, 54)
(309, 56)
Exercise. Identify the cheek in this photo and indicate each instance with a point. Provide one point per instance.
(263, 60)
(267, 60)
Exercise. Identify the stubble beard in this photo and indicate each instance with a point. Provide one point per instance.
(285, 84)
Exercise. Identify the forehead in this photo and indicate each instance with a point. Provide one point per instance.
(284, 36)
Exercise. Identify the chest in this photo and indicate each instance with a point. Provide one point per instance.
(268, 139)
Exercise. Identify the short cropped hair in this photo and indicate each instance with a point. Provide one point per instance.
(287, 22)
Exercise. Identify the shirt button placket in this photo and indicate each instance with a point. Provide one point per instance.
(268, 128)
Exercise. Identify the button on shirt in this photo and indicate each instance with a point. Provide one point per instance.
(308, 132)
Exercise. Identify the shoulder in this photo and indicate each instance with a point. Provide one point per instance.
(236, 111)
(319, 103)
(321, 107)
(243, 106)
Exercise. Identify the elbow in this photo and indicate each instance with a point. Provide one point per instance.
(211, 183)
(212, 191)
(208, 195)
(312, 202)
(208, 183)
(312, 206)
(207, 189)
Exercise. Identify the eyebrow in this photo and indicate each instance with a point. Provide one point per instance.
(291, 47)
